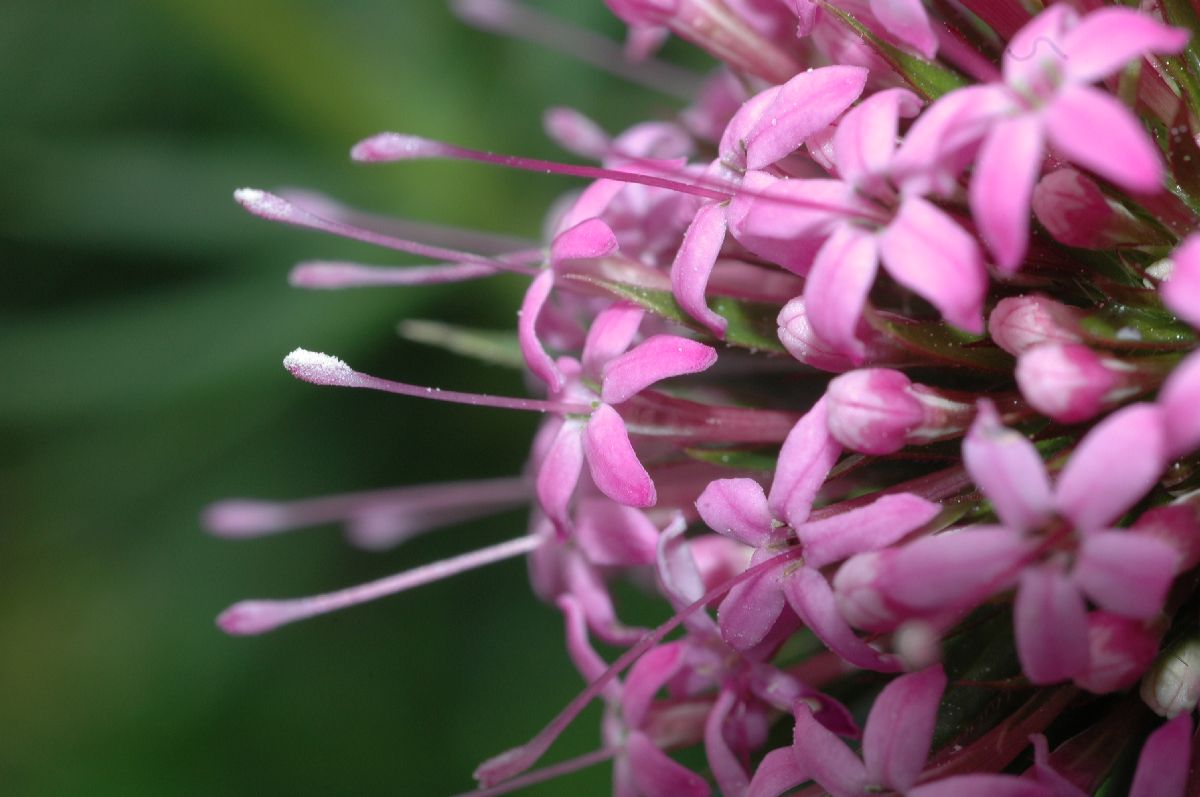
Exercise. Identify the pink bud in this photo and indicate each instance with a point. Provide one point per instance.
(1119, 651)
(879, 411)
(802, 342)
(1178, 525)
(1067, 381)
(1074, 210)
(1020, 323)
(859, 600)
(873, 410)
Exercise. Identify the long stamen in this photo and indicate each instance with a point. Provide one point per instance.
(413, 509)
(546, 773)
(513, 762)
(389, 147)
(386, 147)
(275, 208)
(521, 22)
(259, 616)
(324, 369)
(522, 250)
(333, 275)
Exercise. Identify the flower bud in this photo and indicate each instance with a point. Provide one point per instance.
(1020, 323)
(802, 342)
(859, 599)
(1075, 211)
(1068, 381)
(879, 411)
(1178, 525)
(1172, 686)
(1119, 651)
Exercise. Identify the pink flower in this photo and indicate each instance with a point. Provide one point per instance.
(896, 742)
(1124, 573)
(1047, 99)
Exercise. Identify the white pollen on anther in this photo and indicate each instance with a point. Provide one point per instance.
(320, 369)
(263, 203)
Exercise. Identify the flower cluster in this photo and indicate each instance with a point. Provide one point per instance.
(876, 365)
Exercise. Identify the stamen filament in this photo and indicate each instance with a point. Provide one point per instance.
(324, 369)
(522, 22)
(546, 773)
(258, 616)
(426, 504)
(386, 147)
(275, 208)
(332, 275)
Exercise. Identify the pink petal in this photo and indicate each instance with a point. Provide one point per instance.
(1002, 185)
(900, 728)
(1091, 128)
(805, 104)
(611, 534)
(1115, 465)
(749, 611)
(1181, 292)
(1109, 38)
(837, 288)
(981, 786)
(586, 586)
(732, 147)
(953, 570)
(943, 139)
(826, 758)
(649, 674)
(866, 137)
(657, 774)
(1162, 769)
(807, 456)
(726, 768)
(908, 22)
(1051, 626)
(613, 462)
(927, 252)
(1008, 469)
(1037, 48)
(654, 359)
(1128, 574)
(868, 528)
(610, 334)
(1058, 785)
(787, 221)
(583, 655)
(694, 263)
(809, 595)
(559, 473)
(594, 200)
(777, 773)
(736, 508)
(588, 239)
(1178, 399)
(541, 363)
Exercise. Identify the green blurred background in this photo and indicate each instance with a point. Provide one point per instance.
(143, 317)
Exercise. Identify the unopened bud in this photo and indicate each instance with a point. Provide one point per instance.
(1119, 651)
(1075, 211)
(879, 411)
(1178, 525)
(1172, 685)
(1020, 323)
(859, 600)
(1069, 382)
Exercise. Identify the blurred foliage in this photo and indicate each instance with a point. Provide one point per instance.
(143, 317)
